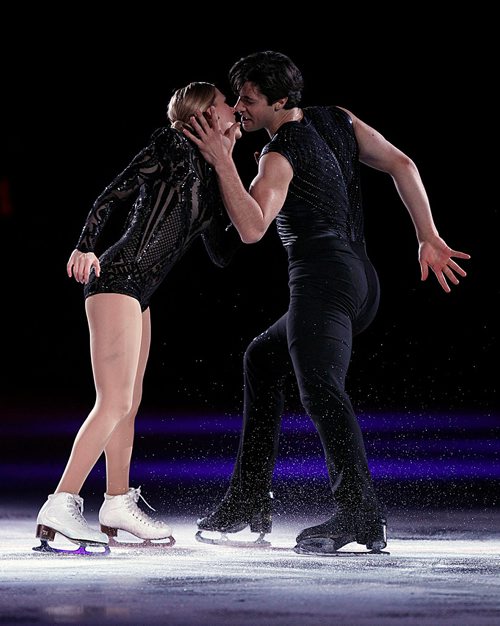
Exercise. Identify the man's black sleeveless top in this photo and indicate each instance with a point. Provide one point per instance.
(324, 197)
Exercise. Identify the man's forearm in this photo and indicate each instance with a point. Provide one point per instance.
(244, 212)
(412, 192)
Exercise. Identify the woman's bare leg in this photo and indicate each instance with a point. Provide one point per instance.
(115, 324)
(118, 450)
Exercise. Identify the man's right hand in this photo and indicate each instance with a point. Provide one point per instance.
(214, 145)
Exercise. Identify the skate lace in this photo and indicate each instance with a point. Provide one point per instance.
(76, 509)
(137, 512)
(137, 494)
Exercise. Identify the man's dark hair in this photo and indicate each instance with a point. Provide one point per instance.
(273, 73)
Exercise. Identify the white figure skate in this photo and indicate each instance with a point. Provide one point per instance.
(122, 513)
(63, 513)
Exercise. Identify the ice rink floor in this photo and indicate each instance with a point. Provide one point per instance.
(443, 568)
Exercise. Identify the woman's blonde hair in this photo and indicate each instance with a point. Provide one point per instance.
(186, 100)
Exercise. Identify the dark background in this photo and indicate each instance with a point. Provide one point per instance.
(81, 98)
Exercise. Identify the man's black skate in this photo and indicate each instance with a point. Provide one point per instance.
(368, 528)
(235, 513)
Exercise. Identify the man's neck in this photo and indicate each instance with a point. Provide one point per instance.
(282, 117)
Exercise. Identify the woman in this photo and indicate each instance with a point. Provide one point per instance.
(175, 199)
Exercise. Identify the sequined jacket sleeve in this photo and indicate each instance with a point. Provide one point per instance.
(116, 196)
(221, 239)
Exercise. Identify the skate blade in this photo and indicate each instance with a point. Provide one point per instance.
(224, 540)
(167, 542)
(82, 550)
(323, 546)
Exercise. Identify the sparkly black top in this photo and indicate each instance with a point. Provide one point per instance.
(175, 197)
(324, 196)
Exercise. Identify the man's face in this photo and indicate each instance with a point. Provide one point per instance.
(253, 107)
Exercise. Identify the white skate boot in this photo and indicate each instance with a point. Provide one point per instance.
(63, 513)
(122, 513)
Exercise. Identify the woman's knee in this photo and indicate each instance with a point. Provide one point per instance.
(118, 409)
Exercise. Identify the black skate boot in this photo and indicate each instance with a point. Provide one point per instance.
(366, 527)
(237, 511)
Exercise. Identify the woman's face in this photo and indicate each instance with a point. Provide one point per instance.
(224, 112)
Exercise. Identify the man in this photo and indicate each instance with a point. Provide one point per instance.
(309, 181)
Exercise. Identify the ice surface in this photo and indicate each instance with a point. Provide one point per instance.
(443, 568)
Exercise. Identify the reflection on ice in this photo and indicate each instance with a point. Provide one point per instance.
(440, 564)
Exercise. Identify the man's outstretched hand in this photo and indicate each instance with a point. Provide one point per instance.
(438, 256)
